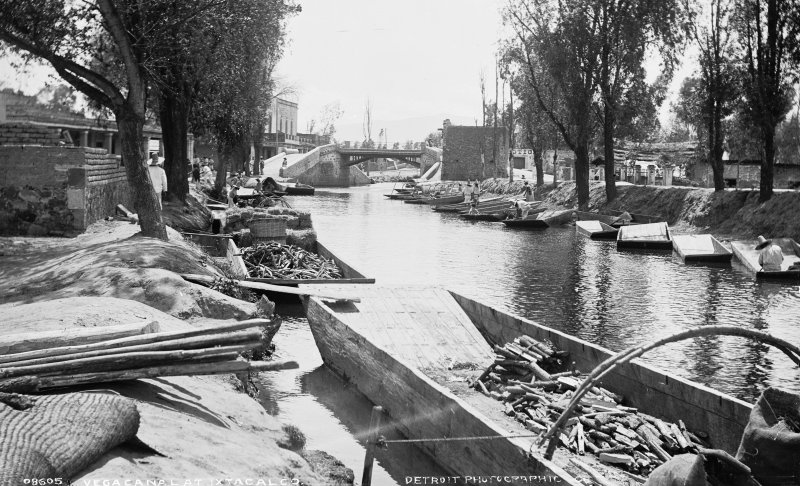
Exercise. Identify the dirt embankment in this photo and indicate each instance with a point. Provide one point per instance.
(206, 428)
(730, 214)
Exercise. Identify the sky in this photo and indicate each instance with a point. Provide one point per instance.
(416, 61)
(412, 59)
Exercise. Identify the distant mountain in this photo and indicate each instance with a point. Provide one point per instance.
(415, 129)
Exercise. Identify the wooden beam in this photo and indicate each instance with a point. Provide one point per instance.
(324, 295)
(131, 340)
(30, 341)
(218, 368)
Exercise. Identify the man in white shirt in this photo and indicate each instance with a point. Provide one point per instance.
(771, 256)
(158, 177)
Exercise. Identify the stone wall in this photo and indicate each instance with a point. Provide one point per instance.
(461, 153)
(322, 167)
(58, 190)
(28, 134)
(748, 174)
(430, 156)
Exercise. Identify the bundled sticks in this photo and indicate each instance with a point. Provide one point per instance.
(274, 260)
(197, 351)
(525, 377)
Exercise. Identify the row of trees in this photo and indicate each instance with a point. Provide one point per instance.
(578, 67)
(203, 66)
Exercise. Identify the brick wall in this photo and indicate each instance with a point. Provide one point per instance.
(56, 190)
(461, 153)
(28, 134)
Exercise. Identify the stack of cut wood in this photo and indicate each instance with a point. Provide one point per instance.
(41, 361)
(523, 378)
(274, 260)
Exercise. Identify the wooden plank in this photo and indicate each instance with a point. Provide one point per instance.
(306, 291)
(24, 342)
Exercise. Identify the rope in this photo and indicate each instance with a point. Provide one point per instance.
(382, 441)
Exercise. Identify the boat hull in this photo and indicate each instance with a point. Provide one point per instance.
(700, 249)
(526, 223)
(745, 252)
(596, 230)
(420, 407)
(650, 390)
(300, 190)
(652, 236)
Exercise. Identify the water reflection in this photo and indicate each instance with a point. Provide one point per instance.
(566, 281)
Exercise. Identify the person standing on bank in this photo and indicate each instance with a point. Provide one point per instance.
(527, 191)
(771, 256)
(158, 177)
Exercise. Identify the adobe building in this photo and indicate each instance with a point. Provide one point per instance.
(462, 147)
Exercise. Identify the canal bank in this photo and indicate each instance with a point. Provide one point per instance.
(730, 214)
(199, 428)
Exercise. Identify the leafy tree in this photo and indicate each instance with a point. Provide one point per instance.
(331, 113)
(768, 31)
(74, 37)
(787, 141)
(539, 132)
(626, 31)
(716, 90)
(555, 44)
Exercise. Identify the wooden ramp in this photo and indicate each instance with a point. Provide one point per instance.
(645, 236)
(422, 326)
(700, 248)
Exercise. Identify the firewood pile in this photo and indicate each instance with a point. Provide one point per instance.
(523, 378)
(274, 260)
(41, 361)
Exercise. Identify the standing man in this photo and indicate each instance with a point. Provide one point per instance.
(771, 256)
(158, 177)
(527, 191)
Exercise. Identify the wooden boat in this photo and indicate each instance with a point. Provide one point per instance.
(526, 223)
(299, 189)
(606, 219)
(351, 275)
(597, 230)
(481, 217)
(438, 200)
(652, 236)
(398, 346)
(700, 248)
(624, 218)
(747, 254)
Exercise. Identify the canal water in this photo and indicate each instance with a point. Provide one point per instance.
(555, 277)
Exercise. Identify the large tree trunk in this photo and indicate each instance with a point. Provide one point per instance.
(582, 173)
(223, 162)
(144, 197)
(538, 162)
(174, 115)
(715, 150)
(608, 142)
(767, 164)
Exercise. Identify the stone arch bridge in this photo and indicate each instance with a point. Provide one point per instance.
(334, 166)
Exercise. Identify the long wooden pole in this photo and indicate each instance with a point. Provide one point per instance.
(133, 340)
(325, 295)
(369, 457)
(29, 341)
(216, 368)
(127, 360)
(197, 342)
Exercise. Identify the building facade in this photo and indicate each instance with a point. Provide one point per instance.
(467, 152)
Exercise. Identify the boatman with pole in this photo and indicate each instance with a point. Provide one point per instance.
(771, 256)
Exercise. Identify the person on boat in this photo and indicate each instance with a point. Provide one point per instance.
(468, 190)
(259, 187)
(233, 197)
(476, 191)
(771, 256)
(527, 191)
